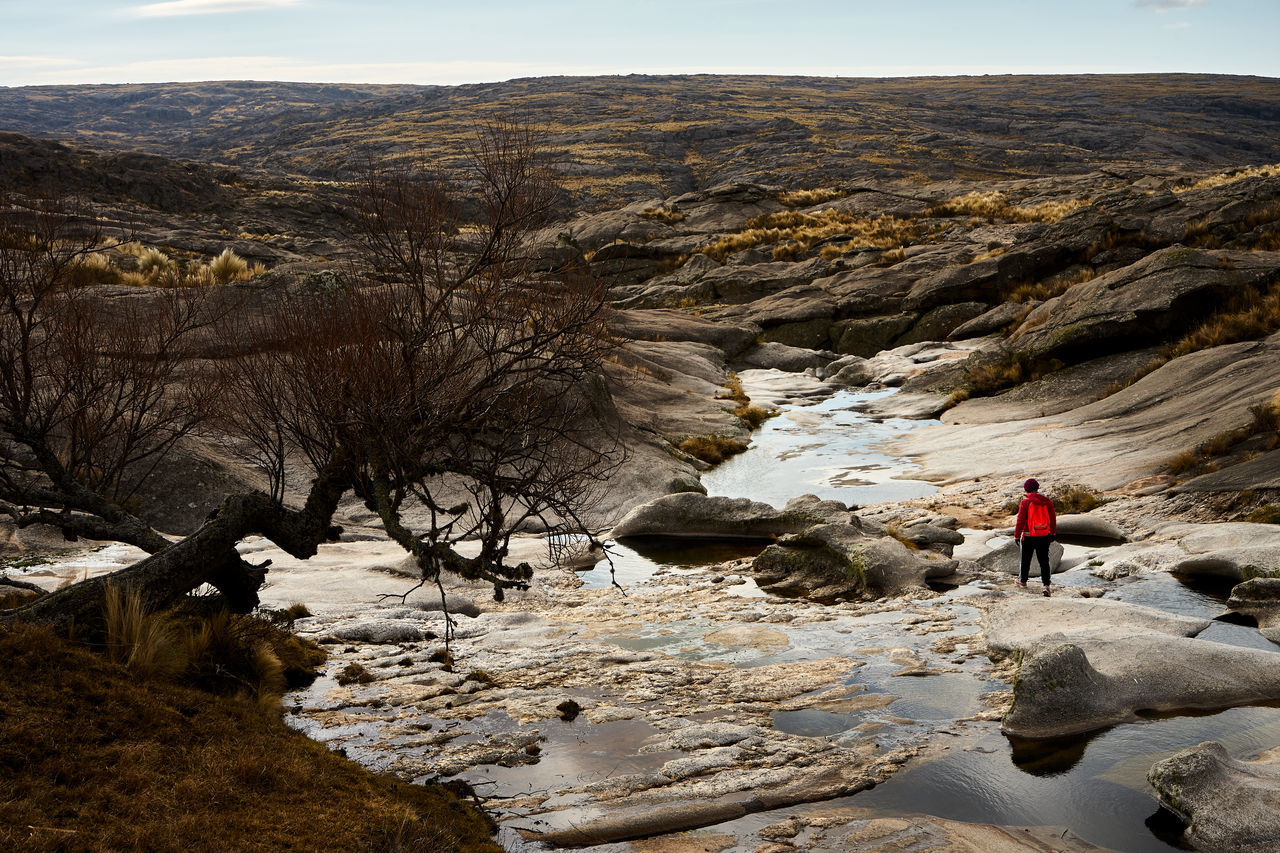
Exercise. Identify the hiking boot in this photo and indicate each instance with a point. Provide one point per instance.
(1046, 590)
(1022, 584)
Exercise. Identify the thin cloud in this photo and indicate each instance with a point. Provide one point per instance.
(1169, 5)
(174, 8)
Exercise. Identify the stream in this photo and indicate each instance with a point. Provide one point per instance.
(666, 638)
(1094, 784)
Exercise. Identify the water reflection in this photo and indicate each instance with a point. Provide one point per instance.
(829, 449)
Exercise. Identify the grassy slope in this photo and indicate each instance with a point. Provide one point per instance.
(93, 759)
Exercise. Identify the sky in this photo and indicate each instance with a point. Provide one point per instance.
(475, 41)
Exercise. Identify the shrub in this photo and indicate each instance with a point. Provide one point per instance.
(753, 416)
(1074, 497)
(353, 673)
(228, 267)
(891, 257)
(712, 449)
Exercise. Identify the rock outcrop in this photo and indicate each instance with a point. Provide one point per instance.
(1230, 806)
(835, 561)
(1061, 690)
(1259, 598)
(693, 515)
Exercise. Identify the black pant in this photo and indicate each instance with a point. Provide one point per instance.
(1038, 545)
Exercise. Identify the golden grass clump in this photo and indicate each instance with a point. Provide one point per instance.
(662, 214)
(1222, 178)
(1251, 315)
(799, 232)
(228, 267)
(152, 262)
(805, 198)
(93, 268)
(1074, 497)
(995, 205)
(712, 449)
(1046, 289)
(147, 644)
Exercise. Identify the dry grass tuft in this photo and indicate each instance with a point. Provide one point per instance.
(995, 205)
(712, 449)
(1048, 288)
(1074, 497)
(798, 233)
(1250, 315)
(662, 214)
(146, 644)
(806, 198)
(228, 267)
(1230, 177)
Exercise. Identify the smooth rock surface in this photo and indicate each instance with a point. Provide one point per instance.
(1230, 806)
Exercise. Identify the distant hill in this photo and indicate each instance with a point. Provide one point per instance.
(623, 138)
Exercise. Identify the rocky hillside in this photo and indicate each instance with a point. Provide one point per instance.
(622, 138)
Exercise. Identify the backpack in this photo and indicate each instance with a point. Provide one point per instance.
(1038, 519)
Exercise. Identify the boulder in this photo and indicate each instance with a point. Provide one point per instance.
(690, 514)
(835, 561)
(1007, 558)
(995, 320)
(775, 356)
(932, 537)
(1229, 805)
(670, 325)
(1060, 690)
(1259, 598)
(867, 336)
(938, 324)
(1238, 564)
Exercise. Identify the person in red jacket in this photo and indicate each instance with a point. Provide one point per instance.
(1037, 525)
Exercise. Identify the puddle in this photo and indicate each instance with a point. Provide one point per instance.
(573, 754)
(829, 449)
(638, 559)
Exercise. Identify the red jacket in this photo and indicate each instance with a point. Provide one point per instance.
(1028, 499)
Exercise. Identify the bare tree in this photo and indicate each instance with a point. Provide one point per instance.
(457, 393)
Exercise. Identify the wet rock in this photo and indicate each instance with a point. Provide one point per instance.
(1007, 558)
(696, 515)
(930, 536)
(1259, 598)
(1061, 691)
(1229, 805)
(704, 736)
(833, 561)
